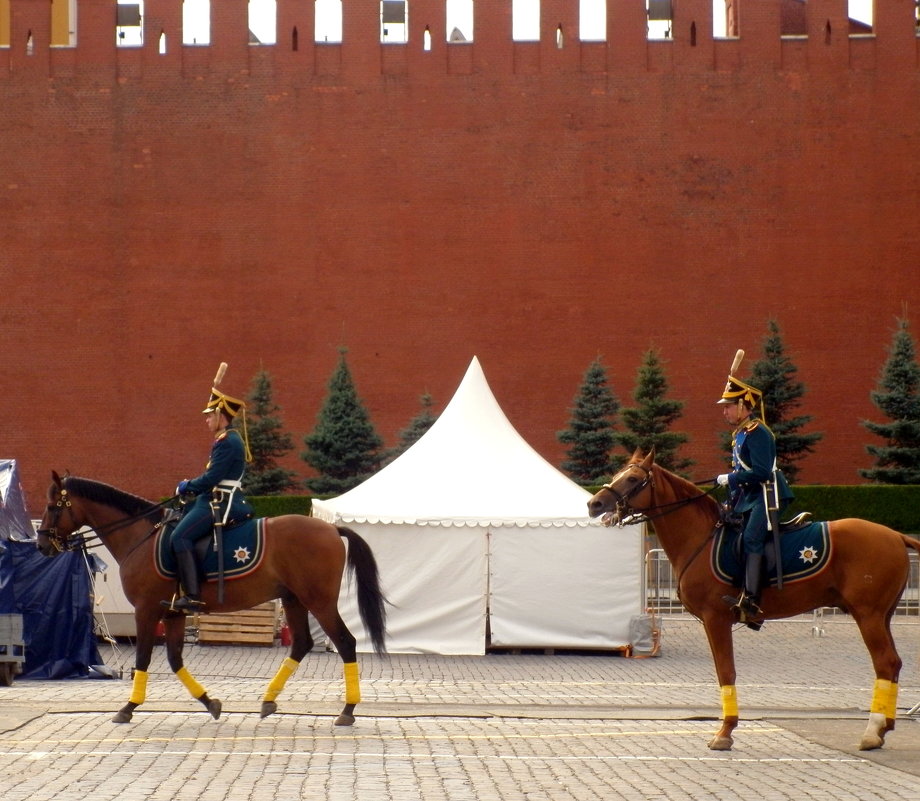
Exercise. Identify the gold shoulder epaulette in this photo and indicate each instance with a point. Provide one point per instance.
(752, 425)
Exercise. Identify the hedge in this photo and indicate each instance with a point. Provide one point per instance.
(894, 506)
(276, 505)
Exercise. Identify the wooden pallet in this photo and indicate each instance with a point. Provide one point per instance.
(256, 626)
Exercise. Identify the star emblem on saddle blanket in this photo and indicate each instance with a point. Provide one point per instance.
(242, 555)
(808, 554)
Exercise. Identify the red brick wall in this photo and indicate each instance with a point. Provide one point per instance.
(529, 205)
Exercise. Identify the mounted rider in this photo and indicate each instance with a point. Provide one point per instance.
(757, 489)
(217, 491)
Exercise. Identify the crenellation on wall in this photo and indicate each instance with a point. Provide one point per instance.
(826, 41)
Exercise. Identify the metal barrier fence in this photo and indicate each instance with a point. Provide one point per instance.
(661, 591)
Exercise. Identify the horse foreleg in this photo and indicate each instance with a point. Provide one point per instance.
(301, 643)
(145, 622)
(175, 638)
(723, 655)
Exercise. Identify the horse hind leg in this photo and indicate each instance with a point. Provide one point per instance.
(344, 642)
(884, 708)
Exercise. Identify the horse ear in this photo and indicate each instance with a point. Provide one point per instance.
(649, 460)
(56, 479)
(637, 455)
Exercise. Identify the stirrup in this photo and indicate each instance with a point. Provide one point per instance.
(185, 605)
(747, 610)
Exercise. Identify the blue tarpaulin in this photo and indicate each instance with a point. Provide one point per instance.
(54, 596)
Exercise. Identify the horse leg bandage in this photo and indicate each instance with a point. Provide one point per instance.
(190, 683)
(352, 686)
(276, 685)
(729, 701)
(880, 697)
(139, 688)
(892, 709)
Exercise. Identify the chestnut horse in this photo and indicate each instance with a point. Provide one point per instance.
(866, 574)
(303, 563)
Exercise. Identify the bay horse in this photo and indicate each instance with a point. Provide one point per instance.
(303, 563)
(865, 576)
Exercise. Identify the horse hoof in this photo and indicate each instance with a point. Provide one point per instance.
(268, 708)
(870, 742)
(718, 743)
(214, 707)
(122, 716)
(345, 720)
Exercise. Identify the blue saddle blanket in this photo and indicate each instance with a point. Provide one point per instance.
(244, 548)
(805, 552)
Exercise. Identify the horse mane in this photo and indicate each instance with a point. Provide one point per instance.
(685, 490)
(98, 492)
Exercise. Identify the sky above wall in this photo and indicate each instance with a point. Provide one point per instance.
(525, 20)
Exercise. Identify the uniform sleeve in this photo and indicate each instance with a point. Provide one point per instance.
(225, 453)
(761, 452)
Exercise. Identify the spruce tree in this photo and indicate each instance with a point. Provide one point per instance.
(268, 442)
(417, 427)
(898, 398)
(590, 432)
(343, 448)
(647, 425)
(774, 375)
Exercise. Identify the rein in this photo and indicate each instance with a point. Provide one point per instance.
(62, 542)
(626, 515)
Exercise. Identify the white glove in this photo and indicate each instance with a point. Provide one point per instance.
(722, 480)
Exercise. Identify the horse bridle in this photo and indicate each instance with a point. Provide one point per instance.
(58, 540)
(623, 512)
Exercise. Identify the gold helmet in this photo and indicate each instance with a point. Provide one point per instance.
(228, 405)
(737, 390)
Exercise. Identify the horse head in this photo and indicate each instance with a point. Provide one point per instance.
(59, 520)
(627, 493)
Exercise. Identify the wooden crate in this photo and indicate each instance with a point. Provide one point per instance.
(256, 626)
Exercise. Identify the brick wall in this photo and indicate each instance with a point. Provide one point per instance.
(531, 205)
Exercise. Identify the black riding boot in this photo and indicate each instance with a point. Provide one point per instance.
(747, 604)
(188, 578)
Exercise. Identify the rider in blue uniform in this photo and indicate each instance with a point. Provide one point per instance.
(216, 491)
(757, 490)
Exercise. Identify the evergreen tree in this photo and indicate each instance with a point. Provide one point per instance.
(417, 427)
(774, 376)
(647, 425)
(267, 442)
(344, 448)
(590, 432)
(898, 398)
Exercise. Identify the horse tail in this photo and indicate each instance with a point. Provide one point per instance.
(371, 600)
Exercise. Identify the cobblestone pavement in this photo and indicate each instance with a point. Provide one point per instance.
(535, 727)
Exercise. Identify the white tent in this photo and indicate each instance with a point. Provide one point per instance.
(472, 528)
